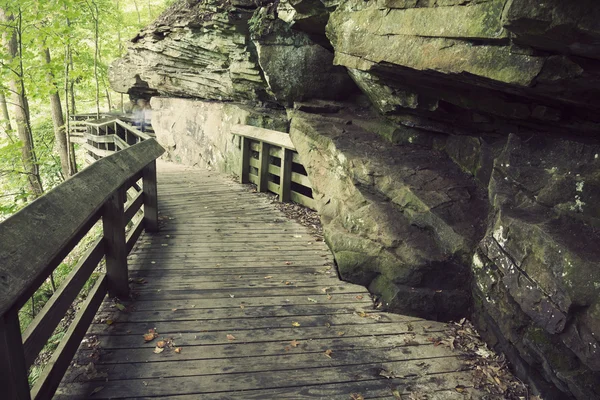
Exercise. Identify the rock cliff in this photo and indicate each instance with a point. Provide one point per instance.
(453, 148)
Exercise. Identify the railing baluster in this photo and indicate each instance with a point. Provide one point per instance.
(113, 220)
(285, 178)
(150, 198)
(263, 173)
(245, 160)
(13, 372)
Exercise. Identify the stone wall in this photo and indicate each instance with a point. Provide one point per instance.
(198, 133)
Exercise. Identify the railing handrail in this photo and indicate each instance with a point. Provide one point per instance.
(38, 234)
(269, 136)
(35, 241)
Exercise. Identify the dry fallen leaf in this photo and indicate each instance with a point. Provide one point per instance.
(295, 324)
(288, 282)
(268, 277)
(230, 337)
(99, 388)
(460, 388)
(312, 300)
(173, 309)
(359, 297)
(158, 350)
(329, 297)
(341, 333)
(177, 350)
(288, 263)
(242, 306)
(161, 344)
(120, 306)
(396, 394)
(328, 353)
(324, 290)
(294, 343)
(357, 396)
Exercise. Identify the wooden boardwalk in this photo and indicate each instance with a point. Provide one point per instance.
(249, 306)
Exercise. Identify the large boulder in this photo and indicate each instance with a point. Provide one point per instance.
(402, 220)
(235, 51)
(456, 69)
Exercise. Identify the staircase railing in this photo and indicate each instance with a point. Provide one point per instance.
(104, 137)
(270, 161)
(34, 241)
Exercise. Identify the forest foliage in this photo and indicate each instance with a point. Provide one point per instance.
(61, 53)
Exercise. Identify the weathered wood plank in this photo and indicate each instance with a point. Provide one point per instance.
(150, 197)
(263, 168)
(13, 369)
(244, 160)
(41, 328)
(115, 245)
(270, 379)
(275, 138)
(52, 374)
(410, 345)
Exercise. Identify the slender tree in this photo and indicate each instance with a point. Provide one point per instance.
(19, 101)
(58, 119)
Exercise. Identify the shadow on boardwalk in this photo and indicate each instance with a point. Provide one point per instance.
(247, 305)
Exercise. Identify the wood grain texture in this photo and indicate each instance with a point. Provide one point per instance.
(254, 303)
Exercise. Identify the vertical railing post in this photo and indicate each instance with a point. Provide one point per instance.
(115, 245)
(245, 160)
(285, 179)
(263, 171)
(13, 370)
(150, 197)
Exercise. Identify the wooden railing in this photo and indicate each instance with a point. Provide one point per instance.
(104, 137)
(36, 240)
(269, 160)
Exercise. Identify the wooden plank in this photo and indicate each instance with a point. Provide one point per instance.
(150, 197)
(296, 158)
(61, 358)
(276, 151)
(272, 187)
(301, 179)
(285, 176)
(302, 199)
(274, 170)
(253, 178)
(254, 145)
(416, 346)
(134, 206)
(120, 143)
(422, 360)
(41, 328)
(254, 163)
(134, 234)
(257, 330)
(115, 244)
(13, 370)
(264, 380)
(245, 160)
(275, 138)
(96, 151)
(228, 302)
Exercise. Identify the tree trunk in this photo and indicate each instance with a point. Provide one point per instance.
(58, 120)
(4, 115)
(18, 98)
